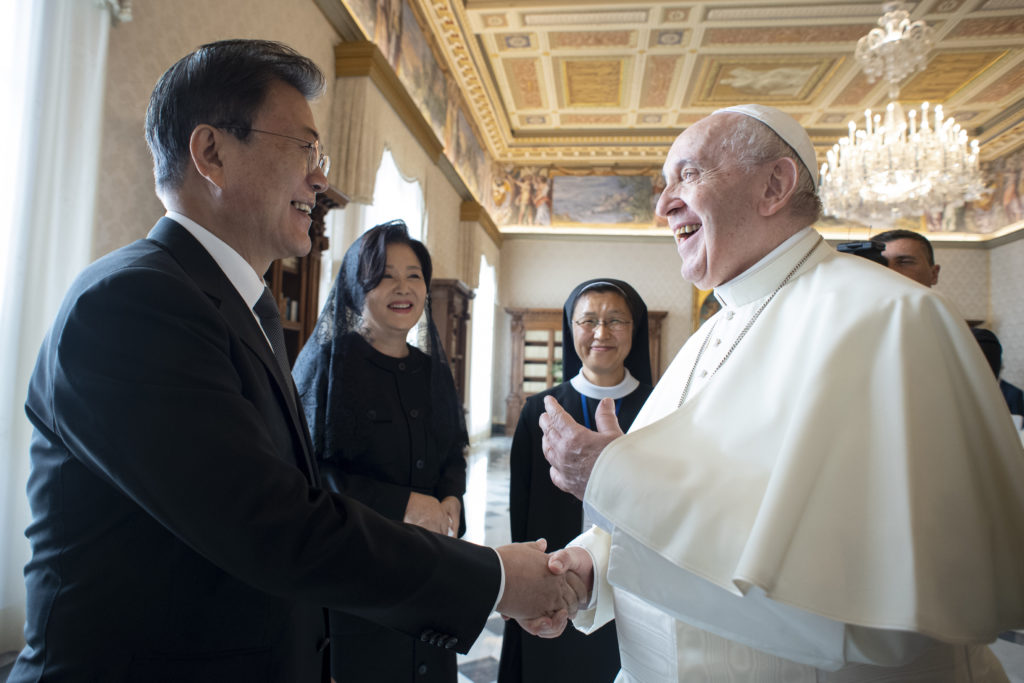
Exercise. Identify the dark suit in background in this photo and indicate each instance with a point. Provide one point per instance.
(175, 536)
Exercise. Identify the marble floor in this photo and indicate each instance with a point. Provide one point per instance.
(486, 502)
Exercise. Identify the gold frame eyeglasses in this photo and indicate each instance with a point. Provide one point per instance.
(614, 324)
(315, 155)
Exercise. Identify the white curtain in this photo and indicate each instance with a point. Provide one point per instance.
(394, 196)
(54, 66)
(481, 358)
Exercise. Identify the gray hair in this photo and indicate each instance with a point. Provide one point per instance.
(752, 143)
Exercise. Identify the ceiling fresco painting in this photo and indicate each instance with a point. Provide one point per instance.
(602, 88)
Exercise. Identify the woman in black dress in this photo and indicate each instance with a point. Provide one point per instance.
(605, 353)
(387, 427)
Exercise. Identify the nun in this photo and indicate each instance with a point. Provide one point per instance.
(605, 354)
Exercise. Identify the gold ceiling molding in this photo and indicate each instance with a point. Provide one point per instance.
(446, 19)
(780, 80)
(591, 81)
(947, 74)
(520, 120)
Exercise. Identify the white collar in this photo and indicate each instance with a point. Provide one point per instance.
(624, 388)
(758, 281)
(247, 281)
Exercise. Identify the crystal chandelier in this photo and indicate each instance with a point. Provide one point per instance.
(899, 165)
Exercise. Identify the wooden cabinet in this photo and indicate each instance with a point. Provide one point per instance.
(536, 362)
(295, 282)
(449, 305)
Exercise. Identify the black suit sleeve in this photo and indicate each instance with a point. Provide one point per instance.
(157, 396)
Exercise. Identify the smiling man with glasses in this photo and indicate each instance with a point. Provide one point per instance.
(179, 532)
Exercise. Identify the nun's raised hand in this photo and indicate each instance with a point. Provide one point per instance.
(571, 448)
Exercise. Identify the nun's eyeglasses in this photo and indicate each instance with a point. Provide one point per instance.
(591, 324)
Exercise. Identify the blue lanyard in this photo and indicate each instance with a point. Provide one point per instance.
(586, 411)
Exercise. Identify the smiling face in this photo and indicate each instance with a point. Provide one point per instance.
(394, 306)
(269, 184)
(602, 350)
(710, 203)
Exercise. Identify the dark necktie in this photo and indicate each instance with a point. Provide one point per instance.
(270, 320)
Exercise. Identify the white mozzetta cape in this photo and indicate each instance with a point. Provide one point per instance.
(853, 459)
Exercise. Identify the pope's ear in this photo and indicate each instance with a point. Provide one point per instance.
(780, 185)
(206, 153)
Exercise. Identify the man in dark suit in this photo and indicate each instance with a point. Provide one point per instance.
(178, 532)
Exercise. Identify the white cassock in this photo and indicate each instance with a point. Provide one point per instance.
(842, 500)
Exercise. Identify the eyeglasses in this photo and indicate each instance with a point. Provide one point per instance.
(315, 156)
(591, 324)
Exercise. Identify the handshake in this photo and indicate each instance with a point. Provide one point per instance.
(543, 592)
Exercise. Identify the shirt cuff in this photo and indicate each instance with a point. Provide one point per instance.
(501, 585)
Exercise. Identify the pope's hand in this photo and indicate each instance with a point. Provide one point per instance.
(571, 448)
(533, 592)
(576, 566)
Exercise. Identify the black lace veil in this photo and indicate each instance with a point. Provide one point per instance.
(330, 403)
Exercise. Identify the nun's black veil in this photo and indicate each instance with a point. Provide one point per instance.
(330, 403)
(638, 362)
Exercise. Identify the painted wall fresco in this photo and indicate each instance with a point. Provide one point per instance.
(469, 158)
(530, 196)
(393, 27)
(602, 200)
(1005, 205)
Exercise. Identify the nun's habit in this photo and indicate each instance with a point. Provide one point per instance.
(538, 509)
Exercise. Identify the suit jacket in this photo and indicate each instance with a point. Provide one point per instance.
(176, 534)
(539, 509)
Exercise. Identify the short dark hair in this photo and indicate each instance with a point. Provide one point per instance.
(373, 253)
(893, 235)
(222, 84)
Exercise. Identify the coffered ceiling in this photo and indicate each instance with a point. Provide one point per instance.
(588, 82)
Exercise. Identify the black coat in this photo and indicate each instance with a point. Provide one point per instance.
(391, 453)
(176, 535)
(538, 509)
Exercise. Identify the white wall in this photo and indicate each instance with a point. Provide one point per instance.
(140, 51)
(1006, 315)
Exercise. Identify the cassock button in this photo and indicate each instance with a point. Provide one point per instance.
(422, 670)
(414, 413)
(420, 464)
(401, 366)
(451, 643)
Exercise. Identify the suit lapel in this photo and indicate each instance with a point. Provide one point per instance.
(198, 263)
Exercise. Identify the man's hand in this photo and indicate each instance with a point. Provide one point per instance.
(572, 449)
(533, 592)
(426, 511)
(453, 509)
(576, 565)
